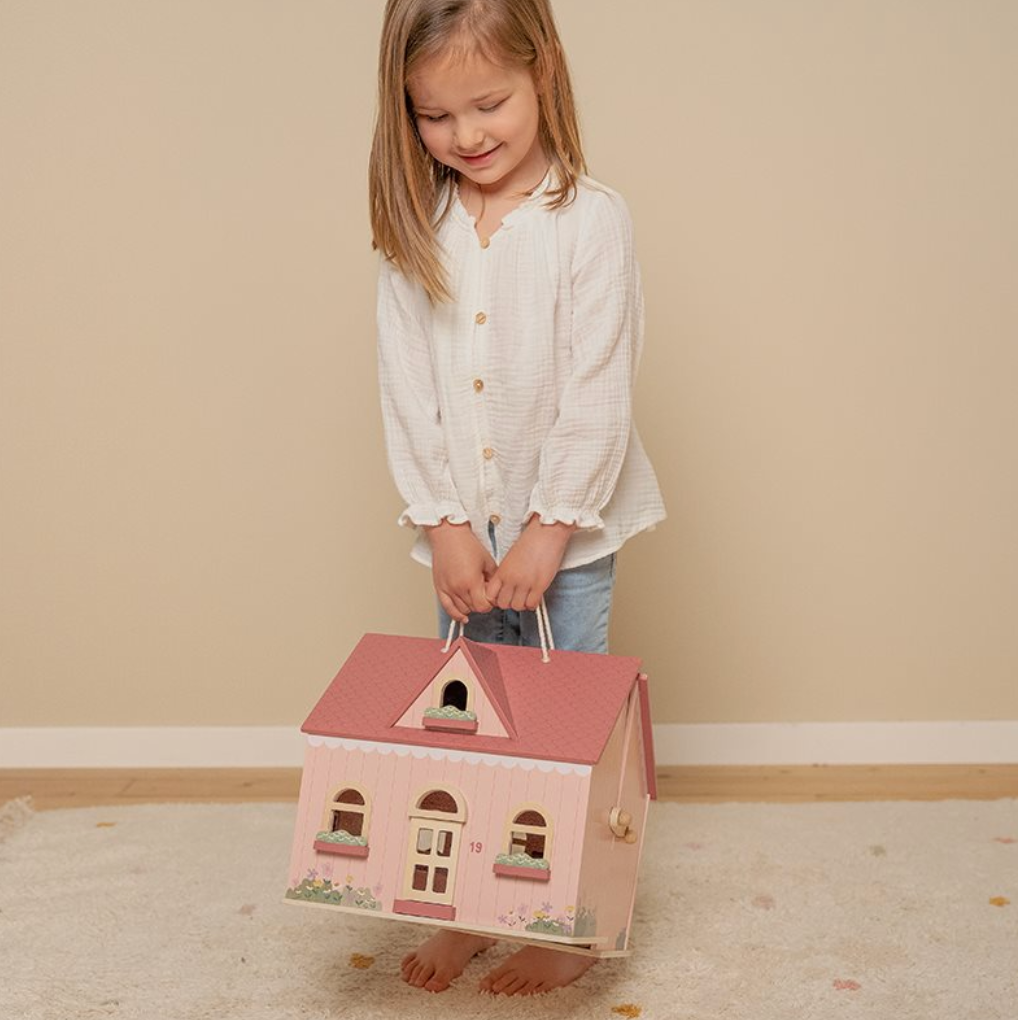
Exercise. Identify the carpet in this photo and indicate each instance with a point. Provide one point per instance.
(879, 911)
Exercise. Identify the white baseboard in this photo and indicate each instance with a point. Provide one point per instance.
(857, 743)
(854, 743)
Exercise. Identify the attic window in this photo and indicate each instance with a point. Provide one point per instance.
(452, 713)
(455, 695)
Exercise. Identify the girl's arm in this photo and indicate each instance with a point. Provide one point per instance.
(415, 445)
(583, 453)
(414, 441)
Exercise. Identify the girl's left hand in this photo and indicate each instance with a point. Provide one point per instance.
(530, 565)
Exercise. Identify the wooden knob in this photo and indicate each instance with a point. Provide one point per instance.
(630, 836)
(625, 819)
(616, 823)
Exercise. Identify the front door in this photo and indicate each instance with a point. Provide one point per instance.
(432, 859)
(436, 825)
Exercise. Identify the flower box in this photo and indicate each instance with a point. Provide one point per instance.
(516, 871)
(343, 849)
(450, 725)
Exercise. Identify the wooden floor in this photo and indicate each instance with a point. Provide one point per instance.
(60, 788)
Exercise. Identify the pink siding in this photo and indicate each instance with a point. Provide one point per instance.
(608, 881)
(491, 792)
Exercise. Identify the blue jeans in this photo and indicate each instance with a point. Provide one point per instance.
(579, 606)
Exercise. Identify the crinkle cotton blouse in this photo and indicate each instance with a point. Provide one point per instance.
(516, 398)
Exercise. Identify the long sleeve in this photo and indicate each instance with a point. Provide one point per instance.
(415, 443)
(583, 454)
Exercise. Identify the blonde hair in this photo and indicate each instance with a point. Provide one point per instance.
(405, 183)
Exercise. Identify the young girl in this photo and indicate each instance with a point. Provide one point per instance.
(510, 319)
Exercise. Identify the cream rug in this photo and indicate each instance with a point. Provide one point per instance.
(887, 911)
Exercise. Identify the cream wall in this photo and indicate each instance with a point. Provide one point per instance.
(197, 519)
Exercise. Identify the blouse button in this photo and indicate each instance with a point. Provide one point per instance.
(480, 318)
(485, 241)
(488, 453)
(478, 385)
(495, 519)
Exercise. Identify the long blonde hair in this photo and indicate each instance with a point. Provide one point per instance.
(405, 183)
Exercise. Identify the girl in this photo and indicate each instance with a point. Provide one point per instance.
(510, 320)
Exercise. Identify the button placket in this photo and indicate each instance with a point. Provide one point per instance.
(490, 482)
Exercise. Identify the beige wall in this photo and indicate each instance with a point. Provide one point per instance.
(197, 519)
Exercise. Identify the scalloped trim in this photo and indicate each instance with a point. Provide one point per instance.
(421, 515)
(585, 520)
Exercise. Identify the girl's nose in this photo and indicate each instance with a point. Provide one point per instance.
(469, 137)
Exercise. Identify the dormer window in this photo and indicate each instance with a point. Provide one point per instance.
(454, 711)
(454, 695)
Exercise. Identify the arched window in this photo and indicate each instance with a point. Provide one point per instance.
(528, 834)
(454, 695)
(348, 812)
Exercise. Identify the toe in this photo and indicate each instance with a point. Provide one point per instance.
(437, 983)
(489, 979)
(502, 982)
(515, 986)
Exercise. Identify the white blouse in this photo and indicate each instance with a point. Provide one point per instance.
(516, 398)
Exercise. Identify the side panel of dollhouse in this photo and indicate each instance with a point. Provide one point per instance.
(610, 864)
(440, 836)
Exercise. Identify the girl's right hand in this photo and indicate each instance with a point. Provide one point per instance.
(460, 569)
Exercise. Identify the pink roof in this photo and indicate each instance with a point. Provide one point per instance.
(562, 710)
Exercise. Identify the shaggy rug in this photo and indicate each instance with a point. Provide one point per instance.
(883, 911)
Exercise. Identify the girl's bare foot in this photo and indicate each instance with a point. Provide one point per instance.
(439, 961)
(535, 969)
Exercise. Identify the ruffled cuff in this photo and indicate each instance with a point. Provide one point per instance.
(584, 518)
(429, 515)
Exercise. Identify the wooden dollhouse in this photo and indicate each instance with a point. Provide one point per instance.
(480, 787)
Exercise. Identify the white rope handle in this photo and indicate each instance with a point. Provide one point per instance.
(452, 633)
(543, 629)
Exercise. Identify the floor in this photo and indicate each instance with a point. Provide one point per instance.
(61, 788)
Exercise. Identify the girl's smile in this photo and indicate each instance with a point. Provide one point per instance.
(482, 159)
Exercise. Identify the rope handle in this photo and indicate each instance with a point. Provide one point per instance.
(543, 629)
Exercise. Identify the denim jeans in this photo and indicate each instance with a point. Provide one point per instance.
(579, 605)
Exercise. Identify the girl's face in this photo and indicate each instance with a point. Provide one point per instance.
(480, 119)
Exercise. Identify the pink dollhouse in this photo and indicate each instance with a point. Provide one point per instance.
(478, 787)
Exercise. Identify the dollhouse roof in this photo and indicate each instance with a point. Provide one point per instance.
(563, 710)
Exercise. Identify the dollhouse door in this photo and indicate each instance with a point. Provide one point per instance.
(435, 829)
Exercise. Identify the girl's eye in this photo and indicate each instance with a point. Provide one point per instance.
(430, 118)
(492, 109)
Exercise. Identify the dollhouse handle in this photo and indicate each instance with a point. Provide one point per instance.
(543, 629)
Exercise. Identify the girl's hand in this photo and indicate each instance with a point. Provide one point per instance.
(530, 565)
(460, 566)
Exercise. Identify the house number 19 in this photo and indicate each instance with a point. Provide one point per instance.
(476, 848)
